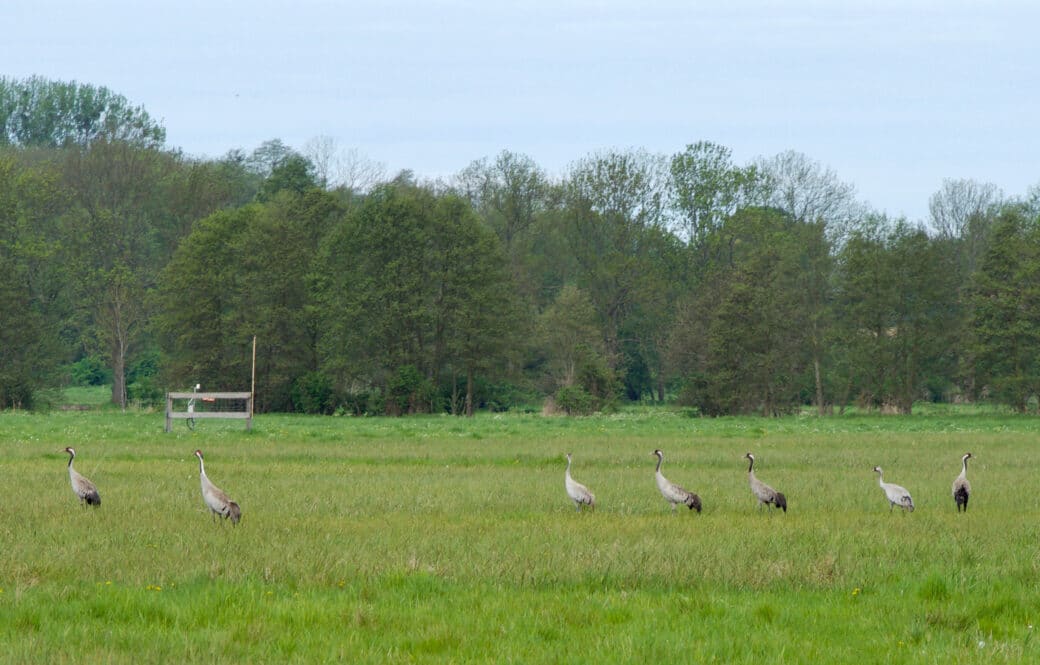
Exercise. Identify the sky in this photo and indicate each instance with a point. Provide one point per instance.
(893, 96)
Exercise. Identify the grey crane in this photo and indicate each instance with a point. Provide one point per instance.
(961, 486)
(215, 498)
(896, 495)
(765, 494)
(579, 494)
(674, 494)
(84, 489)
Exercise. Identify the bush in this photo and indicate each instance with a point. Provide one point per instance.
(408, 391)
(90, 371)
(359, 403)
(144, 366)
(697, 392)
(495, 397)
(576, 401)
(146, 391)
(312, 393)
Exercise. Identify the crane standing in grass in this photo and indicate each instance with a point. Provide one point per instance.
(215, 498)
(579, 494)
(895, 494)
(84, 489)
(673, 493)
(765, 494)
(961, 486)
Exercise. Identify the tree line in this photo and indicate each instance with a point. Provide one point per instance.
(729, 288)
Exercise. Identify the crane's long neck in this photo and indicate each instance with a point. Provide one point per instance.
(751, 466)
(964, 467)
(71, 456)
(202, 468)
(660, 458)
(568, 467)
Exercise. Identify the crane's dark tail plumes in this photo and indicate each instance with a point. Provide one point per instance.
(780, 501)
(93, 499)
(694, 502)
(234, 512)
(961, 497)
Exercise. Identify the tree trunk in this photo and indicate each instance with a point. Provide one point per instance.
(469, 392)
(119, 377)
(819, 385)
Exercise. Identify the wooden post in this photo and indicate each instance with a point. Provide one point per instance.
(169, 408)
(252, 383)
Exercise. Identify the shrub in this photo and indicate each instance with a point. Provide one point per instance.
(146, 391)
(359, 403)
(312, 393)
(90, 371)
(408, 391)
(575, 401)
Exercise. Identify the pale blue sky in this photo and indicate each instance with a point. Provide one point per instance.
(893, 96)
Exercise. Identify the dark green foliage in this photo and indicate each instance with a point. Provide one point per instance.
(32, 302)
(575, 401)
(144, 385)
(896, 313)
(293, 173)
(409, 392)
(359, 403)
(1005, 311)
(198, 305)
(312, 393)
(24, 356)
(597, 378)
(412, 279)
(90, 371)
(744, 339)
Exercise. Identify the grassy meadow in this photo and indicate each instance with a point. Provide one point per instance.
(439, 539)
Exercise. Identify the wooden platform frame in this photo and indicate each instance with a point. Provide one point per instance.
(172, 415)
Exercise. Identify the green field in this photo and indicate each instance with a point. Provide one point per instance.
(440, 539)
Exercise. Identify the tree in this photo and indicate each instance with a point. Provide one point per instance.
(274, 292)
(267, 156)
(962, 212)
(896, 314)
(569, 331)
(1005, 310)
(32, 297)
(335, 166)
(413, 280)
(198, 307)
(111, 240)
(613, 201)
(39, 112)
(246, 273)
(508, 193)
(293, 173)
(477, 312)
(960, 202)
(926, 316)
(709, 187)
(809, 192)
(744, 337)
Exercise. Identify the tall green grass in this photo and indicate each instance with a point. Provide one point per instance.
(449, 540)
